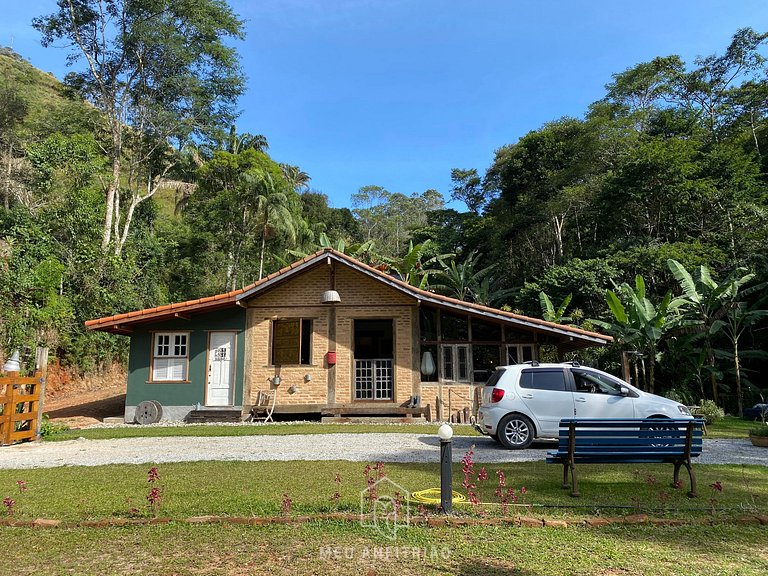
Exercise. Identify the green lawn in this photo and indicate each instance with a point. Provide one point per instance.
(253, 430)
(256, 488)
(346, 549)
(729, 427)
(710, 541)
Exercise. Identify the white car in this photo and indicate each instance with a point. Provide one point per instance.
(527, 401)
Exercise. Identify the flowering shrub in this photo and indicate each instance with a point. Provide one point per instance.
(717, 489)
(155, 496)
(468, 469)
(9, 503)
(286, 504)
(337, 494)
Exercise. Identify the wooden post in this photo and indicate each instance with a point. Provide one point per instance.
(41, 367)
(625, 371)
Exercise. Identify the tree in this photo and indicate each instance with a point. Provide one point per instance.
(638, 321)
(297, 179)
(461, 280)
(739, 319)
(468, 188)
(707, 88)
(237, 197)
(13, 109)
(705, 303)
(160, 71)
(548, 311)
(413, 268)
(643, 87)
(272, 210)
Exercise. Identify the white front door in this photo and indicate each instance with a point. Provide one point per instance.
(221, 369)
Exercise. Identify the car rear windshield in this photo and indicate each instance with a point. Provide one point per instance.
(495, 377)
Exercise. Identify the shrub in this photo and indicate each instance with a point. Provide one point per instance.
(710, 411)
(48, 428)
(678, 395)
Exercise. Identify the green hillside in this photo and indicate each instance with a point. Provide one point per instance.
(51, 107)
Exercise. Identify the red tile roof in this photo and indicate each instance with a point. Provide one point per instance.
(114, 323)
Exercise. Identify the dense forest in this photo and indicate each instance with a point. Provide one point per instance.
(128, 185)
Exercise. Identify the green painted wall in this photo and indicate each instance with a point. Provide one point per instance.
(184, 394)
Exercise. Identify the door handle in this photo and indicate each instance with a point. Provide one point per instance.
(582, 399)
(527, 396)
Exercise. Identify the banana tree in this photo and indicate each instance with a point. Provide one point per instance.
(706, 306)
(738, 320)
(548, 311)
(411, 268)
(638, 322)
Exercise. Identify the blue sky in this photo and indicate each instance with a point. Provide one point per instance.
(397, 92)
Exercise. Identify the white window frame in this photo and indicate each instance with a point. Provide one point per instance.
(170, 357)
(453, 350)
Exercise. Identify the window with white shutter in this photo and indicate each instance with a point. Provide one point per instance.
(170, 356)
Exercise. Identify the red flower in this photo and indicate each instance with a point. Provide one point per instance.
(716, 486)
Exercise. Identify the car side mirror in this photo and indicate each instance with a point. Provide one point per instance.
(624, 391)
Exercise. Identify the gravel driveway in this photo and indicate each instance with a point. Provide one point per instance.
(354, 447)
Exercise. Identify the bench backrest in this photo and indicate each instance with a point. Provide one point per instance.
(649, 437)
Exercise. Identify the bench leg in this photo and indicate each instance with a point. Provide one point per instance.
(676, 479)
(574, 485)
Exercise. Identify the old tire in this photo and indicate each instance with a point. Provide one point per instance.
(515, 431)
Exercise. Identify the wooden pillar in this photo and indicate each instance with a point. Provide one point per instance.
(332, 348)
(625, 370)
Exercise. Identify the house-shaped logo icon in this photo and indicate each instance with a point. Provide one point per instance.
(385, 506)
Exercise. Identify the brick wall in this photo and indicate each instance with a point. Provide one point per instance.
(299, 297)
(461, 396)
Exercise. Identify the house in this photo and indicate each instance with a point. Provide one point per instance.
(328, 335)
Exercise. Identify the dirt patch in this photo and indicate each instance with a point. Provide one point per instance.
(78, 401)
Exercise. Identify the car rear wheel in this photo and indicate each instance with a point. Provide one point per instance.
(515, 431)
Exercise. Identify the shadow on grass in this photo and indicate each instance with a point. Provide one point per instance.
(475, 567)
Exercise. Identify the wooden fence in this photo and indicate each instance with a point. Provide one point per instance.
(19, 400)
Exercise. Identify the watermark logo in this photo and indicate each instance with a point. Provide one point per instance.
(385, 507)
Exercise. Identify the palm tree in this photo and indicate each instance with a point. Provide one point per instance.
(705, 303)
(271, 209)
(297, 179)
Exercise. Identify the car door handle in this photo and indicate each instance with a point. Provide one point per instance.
(582, 399)
(527, 396)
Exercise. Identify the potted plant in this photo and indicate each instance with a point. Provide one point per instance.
(759, 435)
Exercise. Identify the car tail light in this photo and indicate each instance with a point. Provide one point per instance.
(497, 395)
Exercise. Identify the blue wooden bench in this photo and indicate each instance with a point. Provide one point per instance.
(627, 441)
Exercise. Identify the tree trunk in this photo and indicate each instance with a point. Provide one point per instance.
(9, 166)
(652, 368)
(737, 367)
(263, 246)
(625, 369)
(112, 191)
(712, 377)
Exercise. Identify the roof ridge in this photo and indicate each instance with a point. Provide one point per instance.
(232, 296)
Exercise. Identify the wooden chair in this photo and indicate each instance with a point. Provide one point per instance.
(264, 407)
